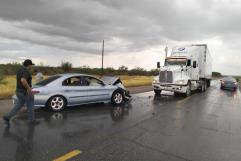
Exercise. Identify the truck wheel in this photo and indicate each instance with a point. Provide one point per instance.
(208, 83)
(157, 92)
(176, 94)
(203, 86)
(188, 91)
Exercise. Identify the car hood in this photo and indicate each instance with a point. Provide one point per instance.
(110, 80)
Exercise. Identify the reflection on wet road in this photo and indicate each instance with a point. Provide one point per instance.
(203, 127)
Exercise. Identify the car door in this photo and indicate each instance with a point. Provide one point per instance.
(96, 90)
(195, 70)
(73, 88)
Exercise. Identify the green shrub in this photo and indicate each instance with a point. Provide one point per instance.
(10, 69)
(66, 66)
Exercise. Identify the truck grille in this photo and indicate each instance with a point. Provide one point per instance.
(166, 77)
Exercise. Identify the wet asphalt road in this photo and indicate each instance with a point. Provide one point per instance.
(203, 127)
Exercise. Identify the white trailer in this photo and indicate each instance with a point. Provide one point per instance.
(187, 69)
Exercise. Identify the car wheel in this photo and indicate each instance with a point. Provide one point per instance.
(57, 103)
(117, 97)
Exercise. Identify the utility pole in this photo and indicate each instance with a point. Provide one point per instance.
(166, 51)
(102, 63)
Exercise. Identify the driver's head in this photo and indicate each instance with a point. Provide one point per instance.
(28, 63)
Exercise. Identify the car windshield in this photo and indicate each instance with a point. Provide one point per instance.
(229, 79)
(175, 62)
(93, 81)
(47, 81)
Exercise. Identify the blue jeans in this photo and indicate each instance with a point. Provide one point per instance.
(22, 100)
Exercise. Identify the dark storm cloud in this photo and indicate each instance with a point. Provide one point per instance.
(138, 24)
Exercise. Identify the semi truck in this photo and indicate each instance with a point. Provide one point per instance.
(187, 69)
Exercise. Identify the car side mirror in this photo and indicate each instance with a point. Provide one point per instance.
(102, 83)
(194, 64)
(158, 65)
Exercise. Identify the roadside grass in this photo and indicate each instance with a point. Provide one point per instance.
(8, 84)
(7, 87)
(135, 81)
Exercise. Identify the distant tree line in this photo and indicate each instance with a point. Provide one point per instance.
(66, 67)
(1, 77)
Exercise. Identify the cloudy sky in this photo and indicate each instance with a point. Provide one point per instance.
(135, 31)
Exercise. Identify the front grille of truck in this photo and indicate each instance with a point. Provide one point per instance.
(166, 77)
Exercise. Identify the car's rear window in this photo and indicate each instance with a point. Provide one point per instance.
(229, 79)
(47, 81)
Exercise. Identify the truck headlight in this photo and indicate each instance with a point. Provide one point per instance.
(155, 79)
(180, 82)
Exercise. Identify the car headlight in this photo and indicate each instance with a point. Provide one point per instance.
(180, 82)
(154, 81)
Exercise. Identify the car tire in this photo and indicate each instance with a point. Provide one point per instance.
(117, 97)
(157, 92)
(57, 103)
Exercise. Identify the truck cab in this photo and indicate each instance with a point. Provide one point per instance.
(184, 71)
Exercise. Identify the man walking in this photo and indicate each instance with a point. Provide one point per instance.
(23, 93)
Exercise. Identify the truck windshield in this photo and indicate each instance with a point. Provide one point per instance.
(176, 62)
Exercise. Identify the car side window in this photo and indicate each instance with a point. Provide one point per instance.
(72, 81)
(91, 81)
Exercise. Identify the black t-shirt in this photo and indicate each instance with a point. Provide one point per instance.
(23, 73)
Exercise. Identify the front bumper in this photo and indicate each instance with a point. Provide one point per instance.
(170, 87)
(127, 96)
(229, 86)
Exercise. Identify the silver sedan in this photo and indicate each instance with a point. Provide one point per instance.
(59, 91)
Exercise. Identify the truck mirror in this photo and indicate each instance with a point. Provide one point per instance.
(188, 62)
(194, 64)
(158, 65)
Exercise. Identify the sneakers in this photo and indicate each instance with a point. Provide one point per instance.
(6, 120)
